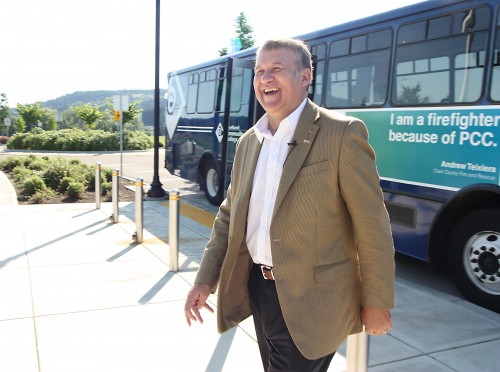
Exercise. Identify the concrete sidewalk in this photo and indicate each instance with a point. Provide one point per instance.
(77, 294)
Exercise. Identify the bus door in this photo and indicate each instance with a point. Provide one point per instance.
(239, 115)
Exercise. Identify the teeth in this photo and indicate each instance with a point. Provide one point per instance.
(270, 90)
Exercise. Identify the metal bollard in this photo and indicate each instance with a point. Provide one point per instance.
(174, 201)
(139, 210)
(357, 352)
(114, 194)
(98, 190)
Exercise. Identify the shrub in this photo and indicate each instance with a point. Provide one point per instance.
(42, 196)
(107, 174)
(21, 173)
(63, 185)
(106, 187)
(37, 165)
(10, 163)
(134, 140)
(17, 141)
(81, 173)
(79, 140)
(33, 184)
(42, 177)
(75, 190)
(55, 172)
(75, 162)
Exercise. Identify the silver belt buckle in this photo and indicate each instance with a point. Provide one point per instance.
(262, 267)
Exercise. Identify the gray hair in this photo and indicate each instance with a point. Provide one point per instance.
(303, 56)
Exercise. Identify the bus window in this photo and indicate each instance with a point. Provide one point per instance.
(439, 27)
(444, 70)
(379, 40)
(358, 80)
(221, 90)
(339, 48)
(192, 94)
(495, 76)
(411, 33)
(358, 44)
(318, 82)
(240, 96)
(206, 91)
(316, 88)
(236, 89)
(469, 70)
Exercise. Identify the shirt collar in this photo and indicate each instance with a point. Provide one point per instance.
(261, 128)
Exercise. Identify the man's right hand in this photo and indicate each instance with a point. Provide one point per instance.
(195, 301)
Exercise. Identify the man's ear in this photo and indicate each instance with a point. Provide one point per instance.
(306, 77)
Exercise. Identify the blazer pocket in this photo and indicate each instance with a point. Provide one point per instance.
(334, 270)
(314, 168)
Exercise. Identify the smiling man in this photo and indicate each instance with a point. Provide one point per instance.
(303, 241)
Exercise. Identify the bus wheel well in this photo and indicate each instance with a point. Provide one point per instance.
(464, 203)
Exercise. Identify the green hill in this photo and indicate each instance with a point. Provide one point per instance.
(98, 98)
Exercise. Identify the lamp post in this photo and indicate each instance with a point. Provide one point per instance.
(156, 191)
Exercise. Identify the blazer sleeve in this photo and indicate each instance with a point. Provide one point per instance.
(360, 187)
(216, 248)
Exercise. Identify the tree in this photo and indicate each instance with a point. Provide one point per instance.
(107, 122)
(4, 112)
(31, 114)
(132, 113)
(130, 116)
(4, 107)
(89, 114)
(244, 35)
(71, 119)
(19, 125)
(49, 121)
(223, 52)
(244, 31)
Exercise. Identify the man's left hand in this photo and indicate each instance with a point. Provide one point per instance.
(377, 321)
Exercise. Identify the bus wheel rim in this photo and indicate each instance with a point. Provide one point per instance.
(212, 182)
(481, 261)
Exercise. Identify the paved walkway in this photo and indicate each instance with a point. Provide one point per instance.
(78, 294)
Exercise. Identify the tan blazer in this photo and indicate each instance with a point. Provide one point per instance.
(330, 234)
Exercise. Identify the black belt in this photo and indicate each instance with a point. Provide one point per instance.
(267, 271)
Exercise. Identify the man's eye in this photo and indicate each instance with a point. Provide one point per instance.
(259, 72)
(276, 69)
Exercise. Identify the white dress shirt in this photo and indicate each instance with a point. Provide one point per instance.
(266, 182)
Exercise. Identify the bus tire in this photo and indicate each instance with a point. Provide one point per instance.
(474, 257)
(211, 180)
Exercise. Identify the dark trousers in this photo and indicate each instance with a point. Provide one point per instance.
(277, 349)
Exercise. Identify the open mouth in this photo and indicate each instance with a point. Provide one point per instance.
(270, 90)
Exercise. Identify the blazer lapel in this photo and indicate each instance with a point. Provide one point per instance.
(304, 136)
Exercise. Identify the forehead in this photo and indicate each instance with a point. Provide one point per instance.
(276, 56)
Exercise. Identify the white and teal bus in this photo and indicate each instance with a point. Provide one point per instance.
(426, 81)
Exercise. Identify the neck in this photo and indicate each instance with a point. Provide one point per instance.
(273, 125)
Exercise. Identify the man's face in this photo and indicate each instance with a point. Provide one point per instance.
(278, 86)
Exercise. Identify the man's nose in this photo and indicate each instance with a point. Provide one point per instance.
(266, 76)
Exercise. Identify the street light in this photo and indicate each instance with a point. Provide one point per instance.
(156, 191)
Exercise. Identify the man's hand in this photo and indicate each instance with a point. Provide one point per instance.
(195, 301)
(377, 321)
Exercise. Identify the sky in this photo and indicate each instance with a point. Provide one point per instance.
(50, 48)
